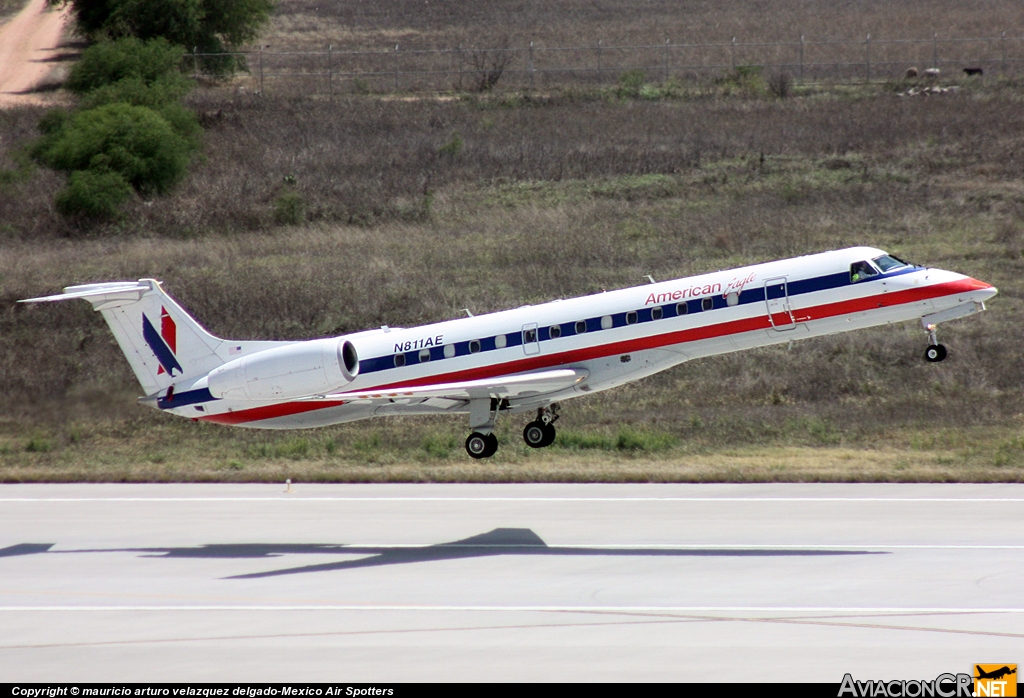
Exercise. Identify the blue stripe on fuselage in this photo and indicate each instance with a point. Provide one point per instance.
(754, 295)
(183, 399)
(513, 339)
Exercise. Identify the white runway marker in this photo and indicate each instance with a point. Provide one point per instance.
(522, 609)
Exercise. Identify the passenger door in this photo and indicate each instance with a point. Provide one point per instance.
(776, 296)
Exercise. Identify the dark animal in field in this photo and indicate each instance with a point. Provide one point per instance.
(911, 72)
(971, 72)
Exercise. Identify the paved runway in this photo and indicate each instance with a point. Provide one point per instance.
(374, 583)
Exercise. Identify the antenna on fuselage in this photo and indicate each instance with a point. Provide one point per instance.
(469, 312)
(651, 279)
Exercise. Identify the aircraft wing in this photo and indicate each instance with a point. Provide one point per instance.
(498, 387)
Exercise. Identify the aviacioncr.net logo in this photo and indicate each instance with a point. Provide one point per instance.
(942, 686)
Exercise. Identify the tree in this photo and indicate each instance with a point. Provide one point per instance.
(211, 26)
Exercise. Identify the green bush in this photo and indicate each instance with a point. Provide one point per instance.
(109, 62)
(289, 208)
(630, 83)
(136, 142)
(93, 194)
(452, 147)
(137, 91)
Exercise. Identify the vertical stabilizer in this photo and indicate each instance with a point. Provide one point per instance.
(164, 345)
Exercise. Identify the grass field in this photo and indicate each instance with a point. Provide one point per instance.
(405, 211)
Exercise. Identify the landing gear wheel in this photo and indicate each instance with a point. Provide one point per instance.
(538, 434)
(481, 445)
(935, 353)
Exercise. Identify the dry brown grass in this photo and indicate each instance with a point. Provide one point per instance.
(310, 23)
(547, 196)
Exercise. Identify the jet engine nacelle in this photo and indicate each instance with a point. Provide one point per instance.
(297, 370)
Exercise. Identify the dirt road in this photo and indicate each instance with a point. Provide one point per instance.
(28, 44)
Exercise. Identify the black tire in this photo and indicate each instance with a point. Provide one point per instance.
(537, 434)
(935, 353)
(492, 445)
(549, 435)
(534, 434)
(479, 446)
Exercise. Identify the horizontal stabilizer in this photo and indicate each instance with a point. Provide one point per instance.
(501, 386)
(126, 291)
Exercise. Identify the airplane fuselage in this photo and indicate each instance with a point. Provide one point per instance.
(607, 339)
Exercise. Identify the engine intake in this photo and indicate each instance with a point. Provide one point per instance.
(297, 370)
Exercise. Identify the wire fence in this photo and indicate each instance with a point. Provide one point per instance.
(333, 71)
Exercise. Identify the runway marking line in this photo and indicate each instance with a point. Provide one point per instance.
(901, 500)
(660, 619)
(342, 552)
(521, 609)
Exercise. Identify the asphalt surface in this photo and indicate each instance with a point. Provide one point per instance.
(372, 583)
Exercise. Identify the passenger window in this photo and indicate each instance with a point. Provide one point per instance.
(399, 360)
(474, 346)
(606, 322)
(732, 299)
(581, 326)
(449, 351)
(555, 332)
(860, 271)
(657, 313)
(682, 309)
(424, 356)
(631, 317)
(500, 341)
(529, 336)
(707, 304)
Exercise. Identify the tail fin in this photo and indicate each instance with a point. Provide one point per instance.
(164, 345)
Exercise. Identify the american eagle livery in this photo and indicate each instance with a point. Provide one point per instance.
(523, 360)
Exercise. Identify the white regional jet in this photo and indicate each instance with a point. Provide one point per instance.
(527, 359)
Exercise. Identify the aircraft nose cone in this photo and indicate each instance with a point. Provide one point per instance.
(981, 290)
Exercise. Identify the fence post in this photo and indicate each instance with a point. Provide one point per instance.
(935, 50)
(460, 66)
(531, 66)
(1002, 43)
(600, 78)
(665, 79)
(195, 62)
(396, 67)
(867, 54)
(801, 58)
(330, 71)
(261, 70)
(734, 53)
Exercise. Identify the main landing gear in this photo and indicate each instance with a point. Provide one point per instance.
(935, 351)
(541, 432)
(482, 443)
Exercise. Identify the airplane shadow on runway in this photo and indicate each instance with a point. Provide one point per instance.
(500, 541)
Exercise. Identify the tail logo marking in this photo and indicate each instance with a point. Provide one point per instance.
(164, 344)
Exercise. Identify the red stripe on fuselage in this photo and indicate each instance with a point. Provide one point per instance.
(533, 363)
(281, 409)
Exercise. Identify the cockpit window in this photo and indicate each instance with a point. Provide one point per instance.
(861, 270)
(887, 263)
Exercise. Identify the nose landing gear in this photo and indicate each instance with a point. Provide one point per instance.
(935, 352)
